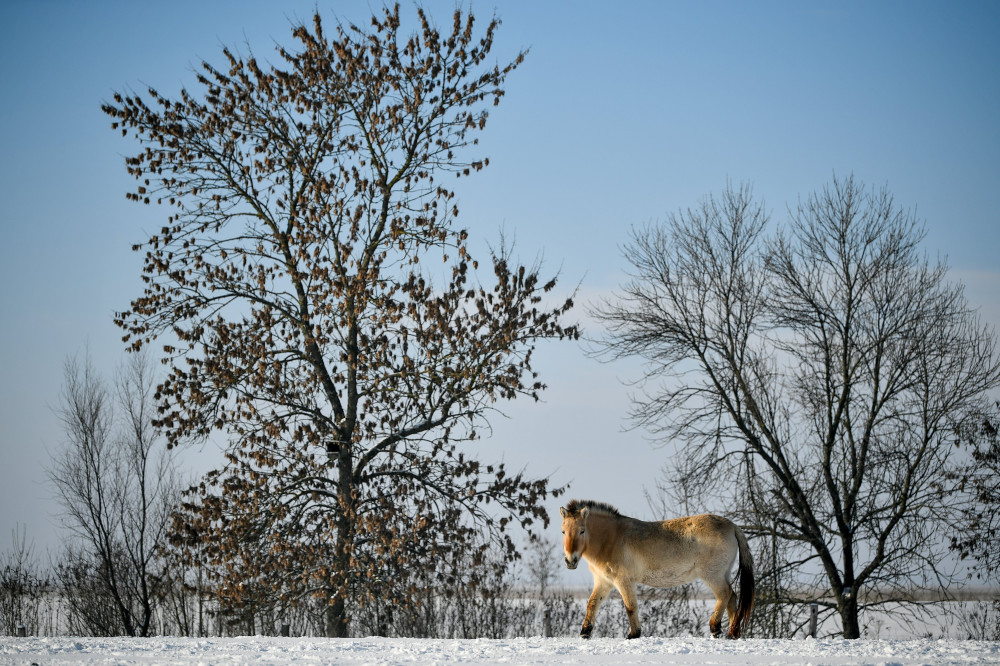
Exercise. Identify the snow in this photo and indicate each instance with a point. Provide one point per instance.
(378, 651)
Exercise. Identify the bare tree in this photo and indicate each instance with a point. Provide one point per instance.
(542, 564)
(117, 485)
(319, 307)
(816, 377)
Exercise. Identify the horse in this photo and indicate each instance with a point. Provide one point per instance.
(623, 551)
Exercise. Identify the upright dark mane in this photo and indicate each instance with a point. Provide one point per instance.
(574, 506)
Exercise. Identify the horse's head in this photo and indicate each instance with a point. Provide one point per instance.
(574, 529)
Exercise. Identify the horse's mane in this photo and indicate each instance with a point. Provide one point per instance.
(574, 506)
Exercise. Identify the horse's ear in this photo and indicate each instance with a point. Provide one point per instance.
(563, 512)
(584, 512)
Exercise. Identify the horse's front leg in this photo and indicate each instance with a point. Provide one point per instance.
(627, 590)
(601, 588)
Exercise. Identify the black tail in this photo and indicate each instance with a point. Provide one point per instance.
(744, 606)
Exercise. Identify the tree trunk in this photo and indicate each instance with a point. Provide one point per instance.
(336, 609)
(848, 607)
(336, 615)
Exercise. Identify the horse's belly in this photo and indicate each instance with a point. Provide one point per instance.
(666, 578)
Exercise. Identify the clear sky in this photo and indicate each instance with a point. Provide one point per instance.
(622, 112)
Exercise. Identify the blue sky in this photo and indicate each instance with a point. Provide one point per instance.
(621, 113)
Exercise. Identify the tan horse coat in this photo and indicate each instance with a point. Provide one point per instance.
(623, 551)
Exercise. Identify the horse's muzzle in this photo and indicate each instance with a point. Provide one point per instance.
(571, 563)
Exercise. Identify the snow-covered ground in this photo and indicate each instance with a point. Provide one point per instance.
(304, 651)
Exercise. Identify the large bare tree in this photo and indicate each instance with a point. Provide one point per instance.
(320, 308)
(817, 376)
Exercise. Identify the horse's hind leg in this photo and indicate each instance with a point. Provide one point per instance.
(731, 610)
(725, 602)
(601, 589)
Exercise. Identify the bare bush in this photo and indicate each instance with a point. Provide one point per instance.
(23, 587)
(90, 607)
(980, 621)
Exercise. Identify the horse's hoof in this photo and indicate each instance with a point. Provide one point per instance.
(634, 634)
(586, 632)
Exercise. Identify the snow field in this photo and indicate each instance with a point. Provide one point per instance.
(384, 651)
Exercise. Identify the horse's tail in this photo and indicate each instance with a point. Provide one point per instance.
(738, 623)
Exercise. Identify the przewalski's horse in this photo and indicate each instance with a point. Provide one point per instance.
(623, 551)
